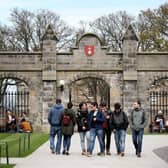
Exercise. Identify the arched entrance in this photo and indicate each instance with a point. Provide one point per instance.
(14, 95)
(89, 89)
(158, 97)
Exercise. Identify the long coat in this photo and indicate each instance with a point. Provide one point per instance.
(69, 129)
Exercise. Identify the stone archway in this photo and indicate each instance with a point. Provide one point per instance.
(20, 97)
(89, 87)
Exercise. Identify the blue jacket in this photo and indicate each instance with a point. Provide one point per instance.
(98, 124)
(54, 116)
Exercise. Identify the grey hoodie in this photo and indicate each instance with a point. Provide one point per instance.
(138, 119)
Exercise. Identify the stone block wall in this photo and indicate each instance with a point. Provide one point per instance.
(129, 73)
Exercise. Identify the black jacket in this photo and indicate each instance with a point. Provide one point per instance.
(82, 119)
(119, 120)
(107, 123)
(100, 119)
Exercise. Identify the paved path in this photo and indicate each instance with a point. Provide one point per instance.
(42, 158)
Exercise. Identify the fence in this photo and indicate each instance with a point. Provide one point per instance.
(17, 102)
(158, 101)
(23, 145)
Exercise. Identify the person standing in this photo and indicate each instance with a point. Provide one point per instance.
(54, 119)
(106, 127)
(96, 119)
(67, 127)
(138, 121)
(119, 123)
(82, 119)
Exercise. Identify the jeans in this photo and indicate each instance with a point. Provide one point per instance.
(83, 136)
(55, 130)
(119, 136)
(161, 125)
(99, 133)
(67, 142)
(137, 137)
(107, 136)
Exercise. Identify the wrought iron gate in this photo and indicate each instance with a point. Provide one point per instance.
(158, 101)
(17, 102)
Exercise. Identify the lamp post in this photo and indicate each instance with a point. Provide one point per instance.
(61, 84)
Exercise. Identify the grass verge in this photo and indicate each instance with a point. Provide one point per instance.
(19, 144)
(6, 166)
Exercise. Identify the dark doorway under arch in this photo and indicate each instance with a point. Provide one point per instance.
(89, 89)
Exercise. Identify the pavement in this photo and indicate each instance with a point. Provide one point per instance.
(43, 158)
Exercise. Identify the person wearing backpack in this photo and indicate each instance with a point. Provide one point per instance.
(54, 119)
(138, 121)
(119, 124)
(82, 118)
(67, 127)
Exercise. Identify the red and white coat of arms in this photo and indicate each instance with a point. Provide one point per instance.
(89, 50)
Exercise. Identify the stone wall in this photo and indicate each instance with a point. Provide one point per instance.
(129, 73)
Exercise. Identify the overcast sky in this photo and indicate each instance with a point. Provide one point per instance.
(72, 11)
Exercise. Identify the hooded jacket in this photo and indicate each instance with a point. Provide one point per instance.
(54, 116)
(69, 129)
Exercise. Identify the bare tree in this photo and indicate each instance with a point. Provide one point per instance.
(92, 89)
(63, 32)
(111, 28)
(22, 28)
(27, 29)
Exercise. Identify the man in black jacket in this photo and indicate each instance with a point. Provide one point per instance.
(119, 125)
(82, 118)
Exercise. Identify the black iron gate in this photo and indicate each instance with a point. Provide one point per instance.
(17, 102)
(158, 101)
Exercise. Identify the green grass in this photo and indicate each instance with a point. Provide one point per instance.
(6, 166)
(36, 140)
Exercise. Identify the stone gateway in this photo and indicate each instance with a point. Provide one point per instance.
(49, 74)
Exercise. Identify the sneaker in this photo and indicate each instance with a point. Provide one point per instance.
(101, 154)
(57, 153)
(63, 152)
(108, 153)
(83, 152)
(52, 151)
(89, 155)
(136, 153)
(122, 154)
(139, 155)
(67, 153)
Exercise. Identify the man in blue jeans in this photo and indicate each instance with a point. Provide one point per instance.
(138, 121)
(96, 119)
(119, 123)
(54, 119)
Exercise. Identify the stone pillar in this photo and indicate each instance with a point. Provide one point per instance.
(48, 73)
(129, 67)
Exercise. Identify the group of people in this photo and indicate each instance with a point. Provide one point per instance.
(96, 121)
(14, 125)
